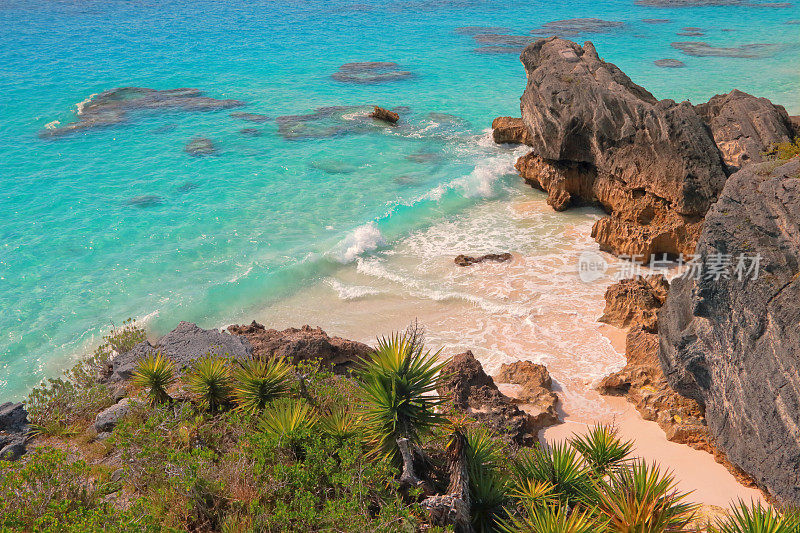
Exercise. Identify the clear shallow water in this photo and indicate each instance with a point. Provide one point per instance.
(267, 216)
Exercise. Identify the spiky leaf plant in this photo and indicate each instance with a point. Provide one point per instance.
(756, 518)
(340, 423)
(258, 382)
(640, 499)
(488, 482)
(210, 381)
(398, 382)
(289, 420)
(602, 449)
(536, 493)
(552, 519)
(155, 373)
(557, 464)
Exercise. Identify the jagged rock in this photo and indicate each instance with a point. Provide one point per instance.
(385, 115)
(536, 390)
(467, 260)
(599, 137)
(744, 127)
(635, 301)
(113, 107)
(182, 345)
(303, 344)
(13, 431)
(107, 419)
(732, 343)
(509, 130)
(472, 391)
(200, 146)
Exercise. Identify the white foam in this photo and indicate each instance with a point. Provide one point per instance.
(362, 239)
(81, 105)
(351, 292)
(52, 125)
(237, 277)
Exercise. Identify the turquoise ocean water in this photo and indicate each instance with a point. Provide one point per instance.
(120, 221)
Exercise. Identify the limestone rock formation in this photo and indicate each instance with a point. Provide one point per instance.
(635, 301)
(471, 390)
(301, 344)
(385, 115)
(599, 137)
(510, 130)
(732, 343)
(536, 390)
(13, 431)
(183, 345)
(107, 419)
(744, 127)
(467, 260)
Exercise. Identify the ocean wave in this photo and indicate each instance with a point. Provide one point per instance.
(364, 238)
(351, 292)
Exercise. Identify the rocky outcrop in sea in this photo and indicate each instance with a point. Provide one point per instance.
(731, 343)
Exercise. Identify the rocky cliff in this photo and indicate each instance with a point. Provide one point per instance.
(652, 165)
(732, 342)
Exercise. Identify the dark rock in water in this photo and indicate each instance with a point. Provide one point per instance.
(107, 419)
(498, 50)
(333, 166)
(385, 115)
(472, 391)
(599, 137)
(692, 33)
(797, 21)
(250, 117)
(510, 130)
(188, 186)
(504, 40)
(200, 146)
(669, 63)
(571, 27)
(732, 343)
(748, 51)
(404, 180)
(706, 3)
(13, 431)
(424, 156)
(467, 260)
(182, 345)
(250, 132)
(447, 119)
(745, 127)
(327, 122)
(656, 21)
(401, 109)
(475, 30)
(304, 344)
(371, 72)
(147, 200)
(166, 128)
(112, 107)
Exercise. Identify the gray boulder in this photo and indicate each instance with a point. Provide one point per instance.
(13, 431)
(107, 419)
(744, 126)
(182, 345)
(732, 343)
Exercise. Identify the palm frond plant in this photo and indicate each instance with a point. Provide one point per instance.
(340, 423)
(552, 519)
(640, 499)
(602, 449)
(488, 483)
(289, 420)
(210, 381)
(756, 518)
(557, 464)
(398, 382)
(258, 382)
(155, 373)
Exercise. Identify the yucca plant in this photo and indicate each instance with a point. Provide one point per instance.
(488, 483)
(258, 382)
(290, 420)
(640, 499)
(340, 423)
(155, 373)
(536, 493)
(557, 464)
(210, 381)
(398, 382)
(552, 519)
(756, 518)
(602, 449)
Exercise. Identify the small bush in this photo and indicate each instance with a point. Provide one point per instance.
(210, 382)
(785, 150)
(155, 373)
(259, 382)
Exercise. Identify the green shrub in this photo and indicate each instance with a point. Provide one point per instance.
(756, 518)
(558, 465)
(210, 381)
(785, 150)
(155, 373)
(602, 449)
(259, 382)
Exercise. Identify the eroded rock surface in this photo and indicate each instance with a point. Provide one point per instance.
(732, 343)
(536, 390)
(302, 344)
(635, 301)
(510, 130)
(467, 260)
(385, 115)
(745, 127)
(471, 390)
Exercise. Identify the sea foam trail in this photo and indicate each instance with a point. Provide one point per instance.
(364, 238)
